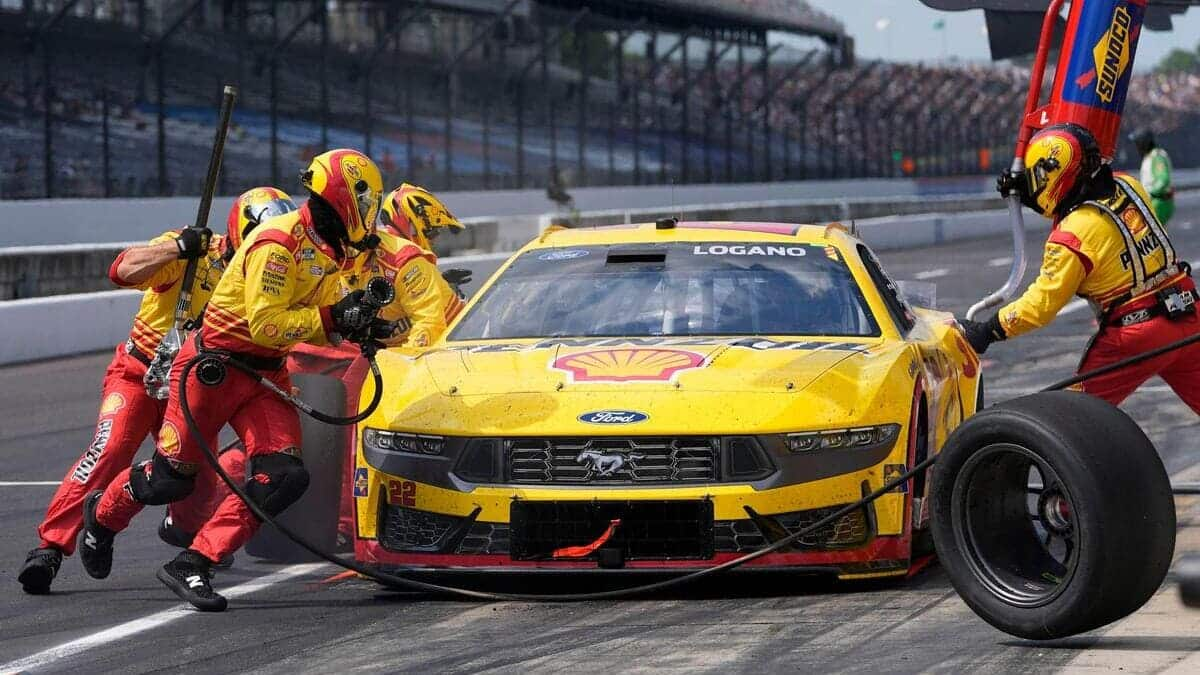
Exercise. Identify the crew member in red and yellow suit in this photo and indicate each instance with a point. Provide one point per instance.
(1106, 246)
(426, 302)
(127, 412)
(280, 289)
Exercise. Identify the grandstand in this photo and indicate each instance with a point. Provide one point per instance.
(117, 97)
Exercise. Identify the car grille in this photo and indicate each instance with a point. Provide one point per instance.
(641, 530)
(744, 536)
(402, 529)
(485, 538)
(614, 460)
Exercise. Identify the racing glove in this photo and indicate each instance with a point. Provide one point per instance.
(1008, 182)
(457, 277)
(981, 334)
(356, 321)
(193, 243)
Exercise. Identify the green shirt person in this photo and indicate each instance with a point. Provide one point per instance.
(1156, 174)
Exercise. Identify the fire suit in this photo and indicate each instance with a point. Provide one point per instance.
(127, 413)
(1117, 255)
(1156, 177)
(275, 294)
(424, 305)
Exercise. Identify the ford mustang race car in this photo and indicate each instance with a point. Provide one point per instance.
(665, 395)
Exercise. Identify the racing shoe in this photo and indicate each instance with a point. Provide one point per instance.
(189, 576)
(95, 541)
(172, 535)
(40, 568)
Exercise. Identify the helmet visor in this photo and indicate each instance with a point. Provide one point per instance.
(257, 213)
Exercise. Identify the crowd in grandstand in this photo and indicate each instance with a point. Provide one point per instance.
(806, 116)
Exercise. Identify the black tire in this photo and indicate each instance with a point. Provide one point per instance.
(1088, 548)
(315, 515)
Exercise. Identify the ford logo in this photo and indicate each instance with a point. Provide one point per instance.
(613, 417)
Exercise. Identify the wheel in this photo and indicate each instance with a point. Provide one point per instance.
(1188, 571)
(315, 515)
(1052, 515)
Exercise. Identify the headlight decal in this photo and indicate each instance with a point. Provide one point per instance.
(392, 441)
(843, 439)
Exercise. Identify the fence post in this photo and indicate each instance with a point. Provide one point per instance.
(323, 19)
(685, 95)
(581, 127)
(105, 154)
(614, 105)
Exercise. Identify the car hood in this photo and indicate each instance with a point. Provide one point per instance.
(728, 366)
(760, 386)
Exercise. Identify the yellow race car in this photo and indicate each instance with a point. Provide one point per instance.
(665, 395)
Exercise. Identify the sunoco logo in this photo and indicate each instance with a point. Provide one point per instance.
(613, 417)
(1112, 54)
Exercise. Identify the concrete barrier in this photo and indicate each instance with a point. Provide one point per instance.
(43, 328)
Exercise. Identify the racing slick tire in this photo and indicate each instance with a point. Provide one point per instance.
(315, 515)
(1052, 515)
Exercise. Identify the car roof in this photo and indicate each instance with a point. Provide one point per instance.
(644, 233)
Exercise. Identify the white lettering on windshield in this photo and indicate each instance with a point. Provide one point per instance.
(741, 249)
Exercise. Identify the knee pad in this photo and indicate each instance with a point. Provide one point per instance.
(276, 481)
(155, 482)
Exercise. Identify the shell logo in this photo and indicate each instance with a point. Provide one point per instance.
(627, 364)
(112, 403)
(1134, 220)
(168, 440)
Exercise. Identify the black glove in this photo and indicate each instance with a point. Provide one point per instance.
(981, 334)
(193, 243)
(457, 277)
(1008, 181)
(349, 314)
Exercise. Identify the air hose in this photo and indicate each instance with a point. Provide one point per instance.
(395, 581)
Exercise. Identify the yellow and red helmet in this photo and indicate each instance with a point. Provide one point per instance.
(350, 183)
(1059, 158)
(253, 207)
(415, 214)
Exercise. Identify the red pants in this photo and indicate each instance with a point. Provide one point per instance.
(264, 422)
(1180, 369)
(127, 416)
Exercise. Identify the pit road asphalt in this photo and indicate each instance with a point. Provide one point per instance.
(296, 619)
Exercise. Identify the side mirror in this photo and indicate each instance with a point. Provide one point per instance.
(918, 293)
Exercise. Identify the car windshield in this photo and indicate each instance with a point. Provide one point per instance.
(680, 289)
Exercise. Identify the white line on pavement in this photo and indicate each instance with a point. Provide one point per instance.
(23, 483)
(129, 628)
(932, 274)
(1000, 262)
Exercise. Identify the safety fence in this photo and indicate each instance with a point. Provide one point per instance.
(533, 95)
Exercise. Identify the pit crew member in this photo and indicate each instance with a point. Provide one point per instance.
(280, 290)
(1108, 246)
(1156, 174)
(127, 412)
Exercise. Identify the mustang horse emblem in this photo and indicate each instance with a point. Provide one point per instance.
(604, 464)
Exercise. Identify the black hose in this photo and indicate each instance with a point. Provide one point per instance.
(395, 581)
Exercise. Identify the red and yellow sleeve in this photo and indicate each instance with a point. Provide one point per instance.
(424, 297)
(1064, 267)
(270, 273)
(162, 279)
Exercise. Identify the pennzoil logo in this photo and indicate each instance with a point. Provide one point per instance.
(627, 365)
(1112, 54)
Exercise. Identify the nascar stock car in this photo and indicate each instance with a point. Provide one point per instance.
(665, 395)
